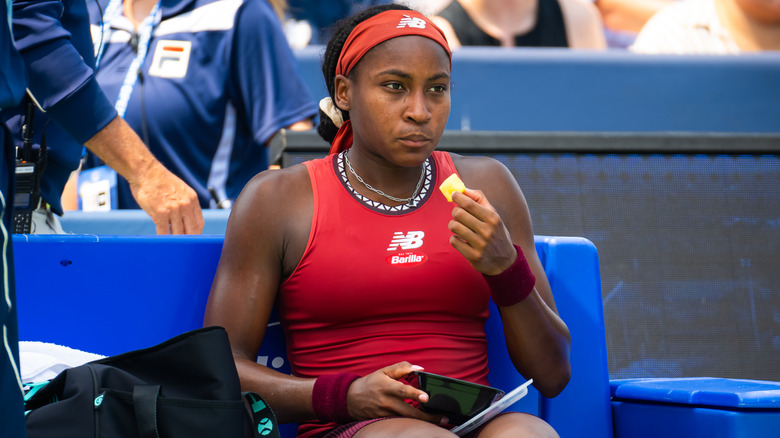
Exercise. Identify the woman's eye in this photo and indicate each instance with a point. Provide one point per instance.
(438, 88)
(394, 86)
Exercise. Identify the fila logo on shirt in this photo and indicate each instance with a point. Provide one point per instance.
(408, 21)
(171, 59)
(404, 242)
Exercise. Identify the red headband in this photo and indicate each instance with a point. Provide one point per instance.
(372, 32)
(382, 27)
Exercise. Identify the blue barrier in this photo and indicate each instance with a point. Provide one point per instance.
(535, 89)
(111, 294)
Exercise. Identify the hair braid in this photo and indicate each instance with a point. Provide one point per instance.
(343, 28)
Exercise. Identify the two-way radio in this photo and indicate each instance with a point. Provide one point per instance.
(29, 167)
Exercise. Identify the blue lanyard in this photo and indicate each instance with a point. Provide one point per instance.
(114, 10)
(9, 8)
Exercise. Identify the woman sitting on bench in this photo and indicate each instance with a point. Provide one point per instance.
(374, 272)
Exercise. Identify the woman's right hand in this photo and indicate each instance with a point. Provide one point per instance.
(381, 394)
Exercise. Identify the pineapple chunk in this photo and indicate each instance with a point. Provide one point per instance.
(451, 185)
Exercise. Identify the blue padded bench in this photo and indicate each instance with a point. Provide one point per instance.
(700, 407)
(111, 294)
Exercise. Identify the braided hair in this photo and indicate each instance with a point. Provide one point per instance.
(343, 28)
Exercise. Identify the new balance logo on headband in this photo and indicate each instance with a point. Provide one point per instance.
(411, 22)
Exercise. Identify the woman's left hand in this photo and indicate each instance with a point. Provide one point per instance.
(480, 234)
(381, 394)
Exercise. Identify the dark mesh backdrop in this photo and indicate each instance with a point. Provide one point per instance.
(689, 247)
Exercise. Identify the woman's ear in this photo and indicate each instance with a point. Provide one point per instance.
(342, 92)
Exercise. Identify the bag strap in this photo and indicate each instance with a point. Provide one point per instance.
(30, 389)
(145, 404)
(263, 420)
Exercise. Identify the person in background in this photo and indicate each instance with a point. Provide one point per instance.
(623, 19)
(426, 7)
(628, 15)
(12, 86)
(522, 23)
(53, 39)
(375, 273)
(712, 27)
(317, 17)
(205, 83)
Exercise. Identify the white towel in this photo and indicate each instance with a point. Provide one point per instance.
(42, 361)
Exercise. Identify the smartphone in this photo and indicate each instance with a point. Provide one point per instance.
(458, 400)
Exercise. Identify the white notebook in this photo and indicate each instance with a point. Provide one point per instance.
(496, 408)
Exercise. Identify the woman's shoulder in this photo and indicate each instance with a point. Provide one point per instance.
(273, 215)
(476, 165)
(279, 178)
(275, 192)
(486, 174)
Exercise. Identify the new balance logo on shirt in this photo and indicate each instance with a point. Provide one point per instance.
(408, 21)
(410, 240)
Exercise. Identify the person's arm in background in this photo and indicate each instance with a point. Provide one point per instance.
(628, 15)
(64, 84)
(268, 87)
(449, 31)
(584, 28)
(172, 204)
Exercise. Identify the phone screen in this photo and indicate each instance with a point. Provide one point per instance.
(456, 399)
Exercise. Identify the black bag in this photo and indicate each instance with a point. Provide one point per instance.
(185, 387)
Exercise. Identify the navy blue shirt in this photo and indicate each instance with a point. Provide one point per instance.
(12, 80)
(219, 79)
(54, 40)
(323, 14)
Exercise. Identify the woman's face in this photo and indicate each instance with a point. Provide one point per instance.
(398, 99)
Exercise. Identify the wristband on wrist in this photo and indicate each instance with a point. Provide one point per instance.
(329, 397)
(514, 284)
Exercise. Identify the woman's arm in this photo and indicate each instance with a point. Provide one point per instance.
(584, 28)
(486, 224)
(449, 31)
(247, 280)
(629, 15)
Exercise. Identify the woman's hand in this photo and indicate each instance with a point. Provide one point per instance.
(480, 234)
(381, 394)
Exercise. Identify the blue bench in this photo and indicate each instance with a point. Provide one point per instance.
(702, 407)
(111, 294)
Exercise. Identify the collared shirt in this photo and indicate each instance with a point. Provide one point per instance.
(53, 38)
(219, 79)
(687, 27)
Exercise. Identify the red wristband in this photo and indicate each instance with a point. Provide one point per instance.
(514, 284)
(329, 397)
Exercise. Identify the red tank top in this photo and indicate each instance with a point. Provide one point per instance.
(378, 285)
